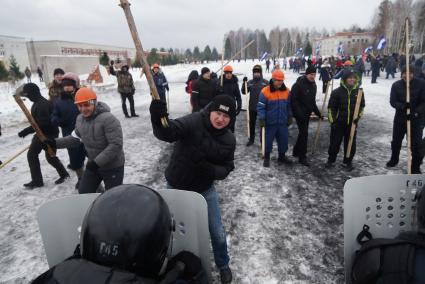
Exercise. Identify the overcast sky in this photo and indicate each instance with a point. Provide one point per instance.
(173, 23)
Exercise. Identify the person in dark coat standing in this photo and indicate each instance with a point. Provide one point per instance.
(126, 89)
(231, 88)
(376, 65)
(254, 88)
(303, 103)
(64, 115)
(416, 117)
(203, 153)
(40, 111)
(160, 82)
(326, 74)
(55, 87)
(203, 90)
(40, 74)
(340, 114)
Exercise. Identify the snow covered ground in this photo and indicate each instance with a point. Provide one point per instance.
(284, 223)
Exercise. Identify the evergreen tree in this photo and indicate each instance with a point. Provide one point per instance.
(3, 72)
(136, 63)
(188, 55)
(153, 56)
(14, 71)
(214, 54)
(308, 50)
(104, 59)
(207, 53)
(162, 49)
(197, 54)
(227, 49)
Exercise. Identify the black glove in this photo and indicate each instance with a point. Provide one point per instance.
(158, 109)
(245, 79)
(24, 132)
(92, 166)
(411, 116)
(290, 120)
(193, 269)
(206, 170)
(238, 110)
(406, 106)
(262, 122)
(355, 121)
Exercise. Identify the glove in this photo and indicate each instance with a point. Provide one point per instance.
(355, 121)
(321, 117)
(245, 79)
(158, 109)
(49, 142)
(92, 166)
(206, 170)
(411, 116)
(262, 123)
(290, 120)
(406, 106)
(24, 132)
(238, 110)
(193, 267)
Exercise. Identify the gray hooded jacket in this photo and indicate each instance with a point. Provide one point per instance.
(101, 135)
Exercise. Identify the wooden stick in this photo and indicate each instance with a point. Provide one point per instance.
(34, 124)
(125, 5)
(168, 101)
(353, 125)
(316, 137)
(263, 141)
(222, 65)
(409, 130)
(234, 56)
(14, 157)
(247, 110)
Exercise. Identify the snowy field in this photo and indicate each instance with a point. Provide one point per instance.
(284, 223)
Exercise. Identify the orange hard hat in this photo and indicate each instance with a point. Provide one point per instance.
(228, 68)
(156, 65)
(348, 63)
(84, 95)
(278, 75)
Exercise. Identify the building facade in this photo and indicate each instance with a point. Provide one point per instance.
(16, 46)
(351, 43)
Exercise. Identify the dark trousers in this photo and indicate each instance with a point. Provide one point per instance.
(252, 124)
(91, 180)
(130, 98)
(399, 130)
(34, 163)
(76, 154)
(375, 76)
(325, 86)
(341, 131)
(300, 148)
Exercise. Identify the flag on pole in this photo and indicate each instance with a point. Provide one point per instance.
(382, 43)
(340, 49)
(318, 46)
(368, 49)
(299, 51)
(263, 56)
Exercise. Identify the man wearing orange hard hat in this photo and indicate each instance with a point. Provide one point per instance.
(101, 133)
(275, 114)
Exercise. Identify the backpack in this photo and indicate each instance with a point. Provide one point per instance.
(387, 261)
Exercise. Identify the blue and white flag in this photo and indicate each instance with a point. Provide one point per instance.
(299, 51)
(382, 43)
(318, 46)
(263, 56)
(368, 49)
(340, 49)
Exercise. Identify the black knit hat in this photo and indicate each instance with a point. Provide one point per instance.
(224, 103)
(31, 89)
(257, 69)
(411, 69)
(205, 70)
(58, 71)
(310, 69)
(348, 73)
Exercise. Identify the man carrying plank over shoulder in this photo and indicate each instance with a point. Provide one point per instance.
(341, 116)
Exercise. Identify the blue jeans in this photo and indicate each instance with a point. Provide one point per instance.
(216, 228)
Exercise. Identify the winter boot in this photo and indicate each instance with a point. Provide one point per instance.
(250, 142)
(303, 161)
(33, 184)
(134, 115)
(329, 164)
(79, 173)
(226, 275)
(62, 179)
(348, 166)
(266, 162)
(282, 159)
(392, 162)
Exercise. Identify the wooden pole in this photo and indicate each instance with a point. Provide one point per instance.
(168, 101)
(125, 5)
(409, 130)
(234, 56)
(247, 111)
(353, 125)
(14, 157)
(222, 65)
(34, 124)
(263, 141)
(316, 137)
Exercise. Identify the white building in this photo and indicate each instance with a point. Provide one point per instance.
(16, 46)
(352, 43)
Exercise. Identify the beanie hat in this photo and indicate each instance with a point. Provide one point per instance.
(58, 71)
(205, 70)
(224, 103)
(348, 73)
(404, 69)
(257, 68)
(31, 89)
(278, 75)
(310, 69)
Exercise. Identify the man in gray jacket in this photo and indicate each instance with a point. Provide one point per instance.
(101, 133)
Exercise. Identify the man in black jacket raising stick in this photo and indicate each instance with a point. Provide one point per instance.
(203, 152)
